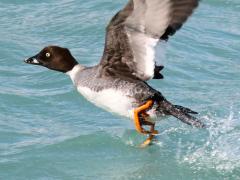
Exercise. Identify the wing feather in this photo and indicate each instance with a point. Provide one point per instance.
(134, 32)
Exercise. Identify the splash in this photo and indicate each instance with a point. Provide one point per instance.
(221, 149)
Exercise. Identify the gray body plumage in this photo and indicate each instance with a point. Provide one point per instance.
(134, 92)
(139, 90)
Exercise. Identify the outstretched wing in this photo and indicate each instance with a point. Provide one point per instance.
(134, 32)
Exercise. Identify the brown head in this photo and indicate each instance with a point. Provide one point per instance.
(55, 58)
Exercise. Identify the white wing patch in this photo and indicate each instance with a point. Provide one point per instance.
(143, 48)
(144, 27)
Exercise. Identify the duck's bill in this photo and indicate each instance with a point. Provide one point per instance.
(33, 60)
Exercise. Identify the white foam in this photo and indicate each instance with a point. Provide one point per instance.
(221, 149)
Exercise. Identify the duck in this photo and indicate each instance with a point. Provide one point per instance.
(118, 83)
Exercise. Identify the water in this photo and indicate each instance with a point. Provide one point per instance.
(48, 131)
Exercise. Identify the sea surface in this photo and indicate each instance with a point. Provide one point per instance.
(48, 131)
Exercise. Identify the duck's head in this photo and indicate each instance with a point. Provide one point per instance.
(55, 58)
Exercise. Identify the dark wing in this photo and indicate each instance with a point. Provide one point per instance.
(135, 31)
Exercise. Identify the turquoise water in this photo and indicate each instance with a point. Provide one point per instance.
(48, 131)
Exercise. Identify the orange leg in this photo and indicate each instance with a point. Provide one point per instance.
(142, 110)
(151, 136)
(148, 123)
(148, 141)
(139, 110)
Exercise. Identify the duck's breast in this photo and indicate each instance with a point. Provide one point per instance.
(110, 99)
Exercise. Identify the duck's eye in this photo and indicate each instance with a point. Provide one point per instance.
(48, 55)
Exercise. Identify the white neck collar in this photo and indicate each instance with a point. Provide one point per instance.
(75, 70)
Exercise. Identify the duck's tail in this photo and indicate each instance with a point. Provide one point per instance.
(181, 113)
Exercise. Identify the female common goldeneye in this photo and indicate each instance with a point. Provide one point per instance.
(118, 83)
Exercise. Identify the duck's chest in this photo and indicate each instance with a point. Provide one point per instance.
(111, 100)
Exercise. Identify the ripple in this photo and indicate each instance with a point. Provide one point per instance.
(48, 131)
